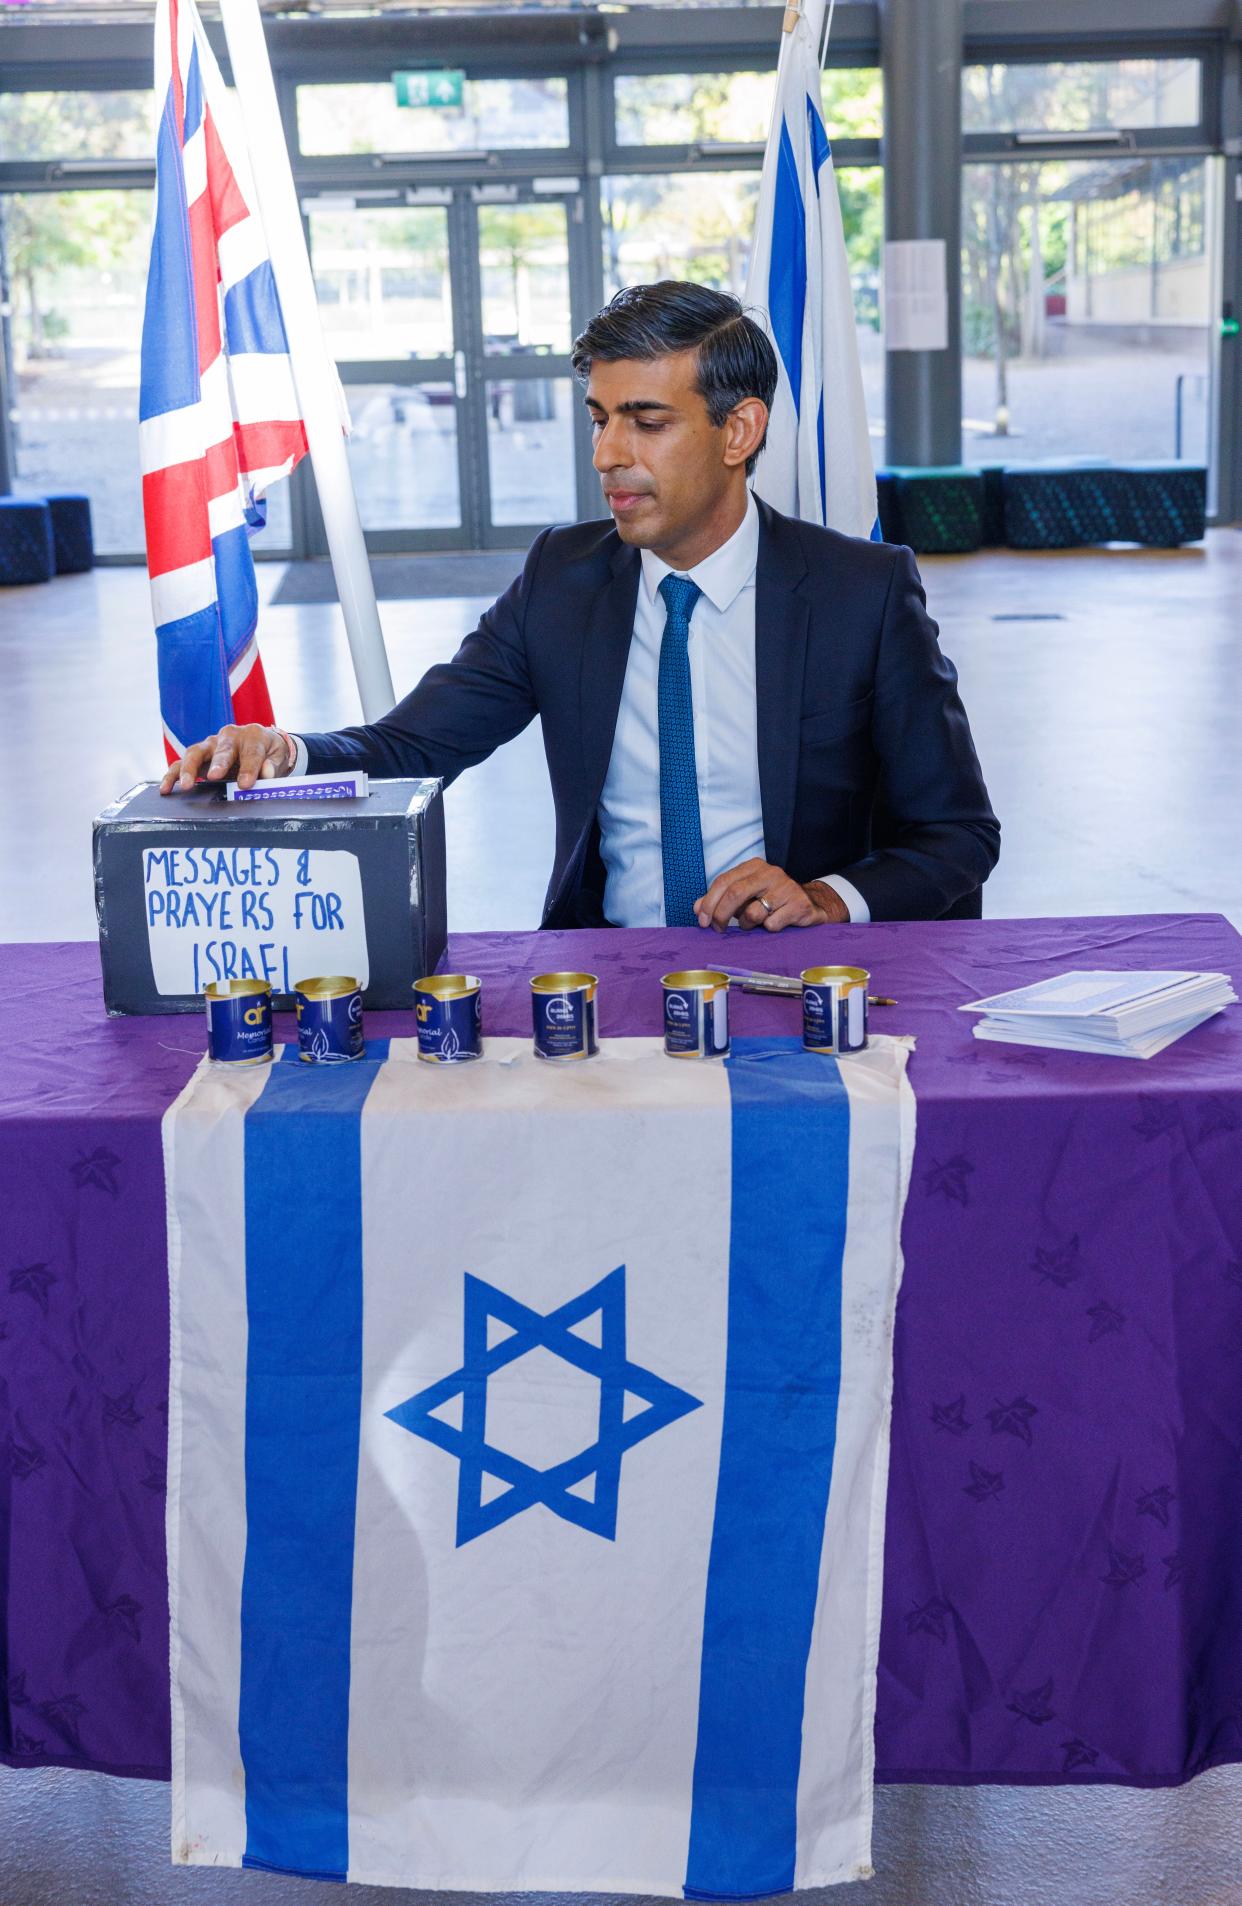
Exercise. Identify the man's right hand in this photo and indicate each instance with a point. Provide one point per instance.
(244, 755)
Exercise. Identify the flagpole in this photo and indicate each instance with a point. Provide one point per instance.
(823, 45)
(314, 372)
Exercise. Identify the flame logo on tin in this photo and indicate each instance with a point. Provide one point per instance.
(450, 1044)
(813, 1001)
(676, 1007)
(560, 1011)
(319, 1044)
(355, 1010)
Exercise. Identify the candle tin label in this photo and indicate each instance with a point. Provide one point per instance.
(329, 1014)
(564, 1008)
(448, 1009)
(834, 1008)
(696, 1014)
(239, 1021)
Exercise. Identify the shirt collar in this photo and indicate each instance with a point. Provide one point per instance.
(724, 574)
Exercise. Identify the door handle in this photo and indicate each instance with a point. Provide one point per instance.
(459, 373)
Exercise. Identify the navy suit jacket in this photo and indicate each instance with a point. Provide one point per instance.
(866, 764)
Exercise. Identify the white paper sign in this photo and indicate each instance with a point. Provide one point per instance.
(916, 296)
(276, 913)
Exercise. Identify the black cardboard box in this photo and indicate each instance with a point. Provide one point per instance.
(191, 888)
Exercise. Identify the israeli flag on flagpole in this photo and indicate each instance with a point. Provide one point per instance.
(817, 464)
(528, 1456)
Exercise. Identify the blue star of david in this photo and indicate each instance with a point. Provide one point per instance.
(619, 1379)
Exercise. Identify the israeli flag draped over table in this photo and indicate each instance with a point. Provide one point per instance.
(528, 1455)
(817, 463)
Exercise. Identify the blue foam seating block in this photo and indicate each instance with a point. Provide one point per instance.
(1067, 506)
(71, 531)
(941, 509)
(1165, 504)
(27, 546)
(993, 528)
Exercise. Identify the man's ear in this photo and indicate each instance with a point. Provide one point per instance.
(744, 427)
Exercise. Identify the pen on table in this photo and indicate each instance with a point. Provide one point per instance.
(783, 983)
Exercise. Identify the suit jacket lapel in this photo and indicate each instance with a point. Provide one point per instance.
(605, 652)
(782, 619)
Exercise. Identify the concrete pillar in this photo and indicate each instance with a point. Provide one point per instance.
(921, 53)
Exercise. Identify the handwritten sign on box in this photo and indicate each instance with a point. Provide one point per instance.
(194, 888)
(280, 914)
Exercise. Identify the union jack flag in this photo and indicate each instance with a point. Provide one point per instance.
(218, 409)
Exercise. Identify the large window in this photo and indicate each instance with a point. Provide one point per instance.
(77, 125)
(1081, 96)
(524, 278)
(671, 109)
(493, 114)
(382, 281)
(1086, 308)
(76, 267)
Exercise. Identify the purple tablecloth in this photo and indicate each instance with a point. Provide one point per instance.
(1063, 1586)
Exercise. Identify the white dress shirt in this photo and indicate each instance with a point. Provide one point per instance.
(726, 736)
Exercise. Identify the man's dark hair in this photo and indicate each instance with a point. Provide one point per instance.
(735, 357)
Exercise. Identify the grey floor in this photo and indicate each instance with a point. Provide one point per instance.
(1104, 688)
(93, 1841)
(1105, 691)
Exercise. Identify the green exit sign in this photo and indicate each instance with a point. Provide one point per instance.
(442, 89)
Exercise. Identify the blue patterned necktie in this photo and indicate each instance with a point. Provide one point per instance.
(681, 831)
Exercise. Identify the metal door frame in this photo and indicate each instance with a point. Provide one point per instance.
(406, 372)
(482, 368)
(470, 368)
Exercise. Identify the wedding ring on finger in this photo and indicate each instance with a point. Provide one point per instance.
(765, 904)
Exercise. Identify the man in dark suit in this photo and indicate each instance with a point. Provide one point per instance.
(744, 716)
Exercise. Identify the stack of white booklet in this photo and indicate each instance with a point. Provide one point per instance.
(1132, 1014)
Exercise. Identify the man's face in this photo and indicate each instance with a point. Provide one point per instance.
(664, 466)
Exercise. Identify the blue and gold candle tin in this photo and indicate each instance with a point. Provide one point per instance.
(448, 1009)
(329, 1014)
(239, 1021)
(834, 1008)
(563, 1005)
(696, 1014)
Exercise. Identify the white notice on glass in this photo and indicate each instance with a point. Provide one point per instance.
(916, 295)
(275, 913)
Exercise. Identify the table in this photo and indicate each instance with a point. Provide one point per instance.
(1063, 1574)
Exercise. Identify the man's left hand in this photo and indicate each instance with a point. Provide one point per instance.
(756, 894)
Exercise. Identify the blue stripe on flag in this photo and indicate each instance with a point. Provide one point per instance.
(787, 1234)
(821, 151)
(787, 267)
(252, 316)
(193, 96)
(303, 1399)
(823, 462)
(237, 591)
(169, 374)
(193, 675)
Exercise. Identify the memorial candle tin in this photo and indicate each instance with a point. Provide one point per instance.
(329, 1014)
(834, 1008)
(563, 1005)
(448, 1008)
(696, 1014)
(239, 1021)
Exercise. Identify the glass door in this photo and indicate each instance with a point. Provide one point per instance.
(385, 281)
(526, 417)
(448, 310)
